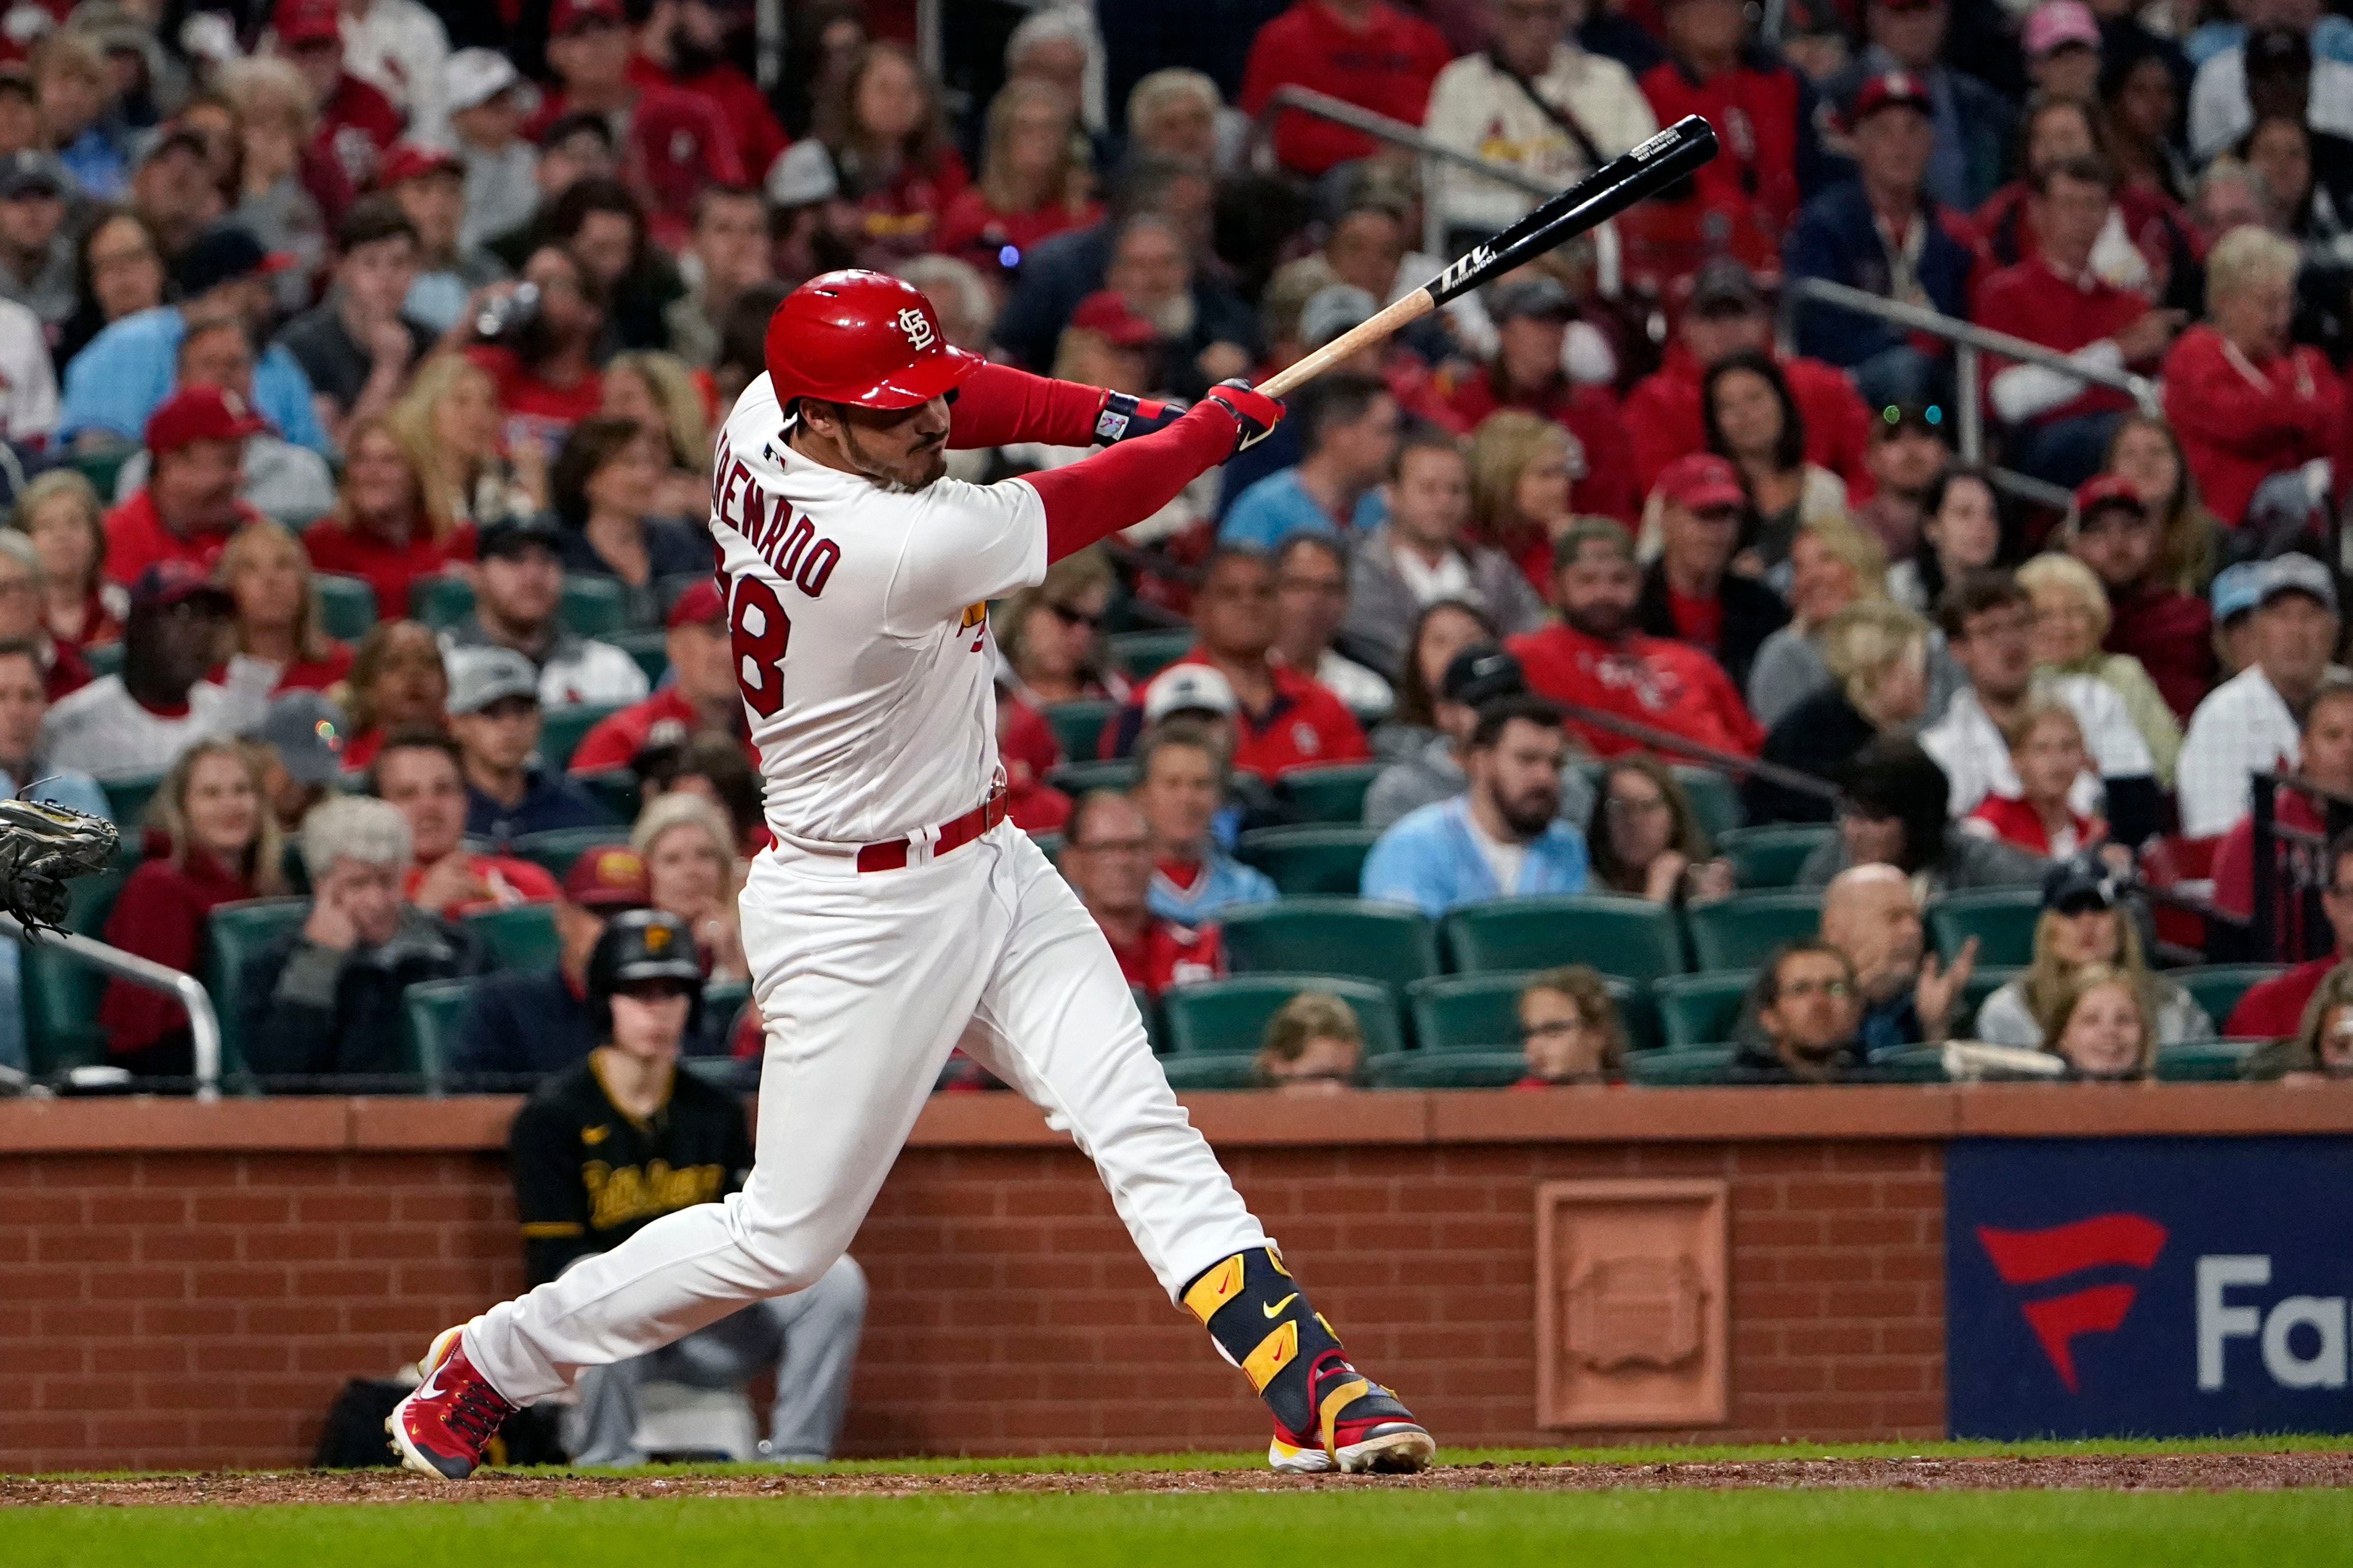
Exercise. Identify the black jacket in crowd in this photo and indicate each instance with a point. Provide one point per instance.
(1752, 612)
(311, 1012)
(1818, 736)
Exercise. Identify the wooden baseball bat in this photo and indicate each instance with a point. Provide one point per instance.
(1601, 195)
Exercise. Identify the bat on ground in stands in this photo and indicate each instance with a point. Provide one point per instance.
(1601, 195)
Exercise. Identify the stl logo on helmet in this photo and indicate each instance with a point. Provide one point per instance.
(918, 328)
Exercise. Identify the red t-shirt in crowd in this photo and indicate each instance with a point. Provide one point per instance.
(2172, 634)
(2272, 1009)
(161, 914)
(661, 719)
(1663, 418)
(1170, 955)
(136, 539)
(66, 672)
(1750, 189)
(741, 104)
(508, 882)
(2032, 300)
(1649, 680)
(2234, 853)
(1305, 726)
(306, 674)
(1604, 486)
(355, 125)
(900, 215)
(2002, 236)
(537, 411)
(1699, 622)
(390, 570)
(2240, 423)
(2015, 822)
(1387, 65)
(673, 145)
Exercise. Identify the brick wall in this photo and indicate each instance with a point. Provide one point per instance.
(184, 1286)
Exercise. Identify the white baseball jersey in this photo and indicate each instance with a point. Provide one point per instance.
(858, 618)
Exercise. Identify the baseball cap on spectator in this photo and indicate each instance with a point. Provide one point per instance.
(1701, 481)
(699, 606)
(221, 255)
(114, 26)
(1889, 89)
(30, 173)
(513, 535)
(1725, 288)
(474, 77)
(2080, 884)
(170, 583)
(2103, 491)
(481, 676)
(1334, 309)
(308, 733)
(1525, 297)
(201, 414)
(2236, 590)
(608, 880)
(2297, 574)
(171, 138)
(1182, 687)
(407, 161)
(2056, 24)
(1480, 674)
(802, 175)
(578, 16)
(1108, 312)
(308, 21)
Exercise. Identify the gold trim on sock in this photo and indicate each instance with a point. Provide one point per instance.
(1274, 1353)
(1339, 1399)
(1212, 1290)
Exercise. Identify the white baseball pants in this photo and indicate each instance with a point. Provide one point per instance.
(867, 982)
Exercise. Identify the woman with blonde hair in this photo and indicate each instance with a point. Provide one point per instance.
(658, 391)
(1832, 563)
(450, 418)
(2071, 621)
(1036, 181)
(1569, 1028)
(2084, 925)
(59, 511)
(2102, 1028)
(2322, 1047)
(2146, 455)
(276, 200)
(1522, 466)
(388, 528)
(267, 574)
(1312, 1045)
(693, 872)
(211, 841)
(1877, 656)
(1052, 637)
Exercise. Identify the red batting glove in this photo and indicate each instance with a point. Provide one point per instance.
(1255, 415)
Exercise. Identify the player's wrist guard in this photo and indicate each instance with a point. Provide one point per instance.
(1124, 416)
(1255, 414)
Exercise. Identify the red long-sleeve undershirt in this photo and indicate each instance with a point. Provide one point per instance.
(1119, 486)
(998, 404)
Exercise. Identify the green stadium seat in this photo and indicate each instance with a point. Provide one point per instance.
(1211, 1071)
(60, 995)
(1700, 1009)
(1078, 726)
(1332, 794)
(346, 605)
(615, 789)
(2217, 987)
(1919, 1064)
(1229, 1017)
(1630, 938)
(1309, 860)
(434, 1008)
(522, 937)
(1388, 945)
(1148, 1007)
(1770, 857)
(1076, 778)
(235, 935)
(106, 659)
(724, 1000)
(1446, 1069)
(1715, 798)
(556, 849)
(2002, 919)
(561, 730)
(592, 605)
(1688, 1065)
(440, 601)
(1050, 842)
(1144, 655)
(649, 646)
(104, 469)
(1477, 1013)
(127, 799)
(1741, 933)
(2204, 1061)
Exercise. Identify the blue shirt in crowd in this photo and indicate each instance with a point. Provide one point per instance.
(57, 786)
(1278, 506)
(1428, 858)
(550, 801)
(1221, 881)
(131, 367)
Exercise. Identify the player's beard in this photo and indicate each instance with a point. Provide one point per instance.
(918, 470)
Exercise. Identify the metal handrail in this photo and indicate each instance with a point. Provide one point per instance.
(204, 1022)
(1341, 111)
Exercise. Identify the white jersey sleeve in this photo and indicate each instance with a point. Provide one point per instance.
(965, 543)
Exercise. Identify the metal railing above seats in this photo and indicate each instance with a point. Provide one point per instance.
(204, 1024)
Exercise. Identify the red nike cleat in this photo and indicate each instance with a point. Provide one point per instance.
(1365, 1427)
(449, 1419)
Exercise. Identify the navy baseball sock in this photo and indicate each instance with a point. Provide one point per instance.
(1262, 1323)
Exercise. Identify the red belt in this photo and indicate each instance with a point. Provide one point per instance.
(892, 855)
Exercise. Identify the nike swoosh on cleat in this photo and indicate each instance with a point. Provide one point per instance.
(1279, 1306)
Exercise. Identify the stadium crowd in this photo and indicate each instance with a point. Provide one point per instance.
(360, 362)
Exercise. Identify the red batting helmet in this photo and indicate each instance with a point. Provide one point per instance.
(864, 338)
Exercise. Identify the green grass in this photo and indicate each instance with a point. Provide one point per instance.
(1491, 1529)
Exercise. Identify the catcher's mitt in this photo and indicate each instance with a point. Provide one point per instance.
(43, 848)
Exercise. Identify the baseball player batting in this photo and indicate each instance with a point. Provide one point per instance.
(899, 913)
